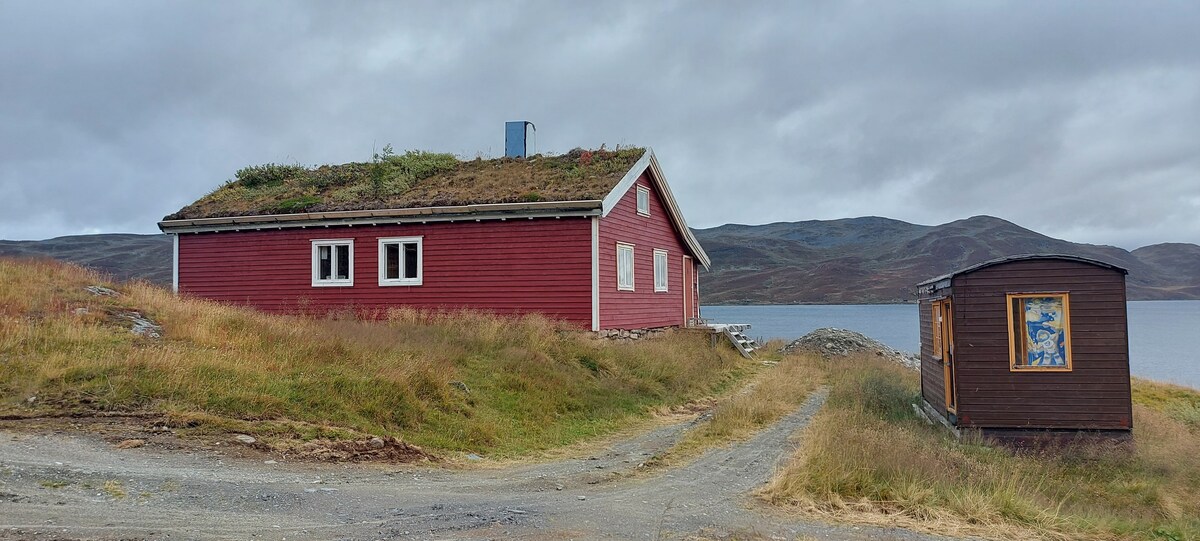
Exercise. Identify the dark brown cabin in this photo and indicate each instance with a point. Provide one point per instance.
(1025, 344)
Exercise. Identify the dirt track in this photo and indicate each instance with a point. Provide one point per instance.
(71, 486)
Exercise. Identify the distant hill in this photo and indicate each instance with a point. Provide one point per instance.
(854, 260)
(874, 260)
(124, 256)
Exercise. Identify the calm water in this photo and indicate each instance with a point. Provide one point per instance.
(1164, 336)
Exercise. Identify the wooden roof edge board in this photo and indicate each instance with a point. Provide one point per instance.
(424, 218)
(509, 209)
(649, 162)
(1022, 257)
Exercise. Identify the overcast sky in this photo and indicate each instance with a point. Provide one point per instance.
(1080, 120)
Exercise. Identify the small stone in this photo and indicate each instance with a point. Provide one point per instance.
(581, 498)
(269, 462)
(244, 438)
(558, 487)
(31, 399)
(375, 443)
(130, 444)
(474, 456)
(80, 311)
(102, 291)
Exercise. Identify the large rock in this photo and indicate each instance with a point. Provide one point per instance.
(829, 342)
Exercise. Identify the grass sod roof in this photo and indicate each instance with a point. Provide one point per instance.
(415, 179)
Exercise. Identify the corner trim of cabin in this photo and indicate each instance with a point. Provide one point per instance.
(595, 273)
(175, 263)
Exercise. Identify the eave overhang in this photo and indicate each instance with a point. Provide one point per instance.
(489, 211)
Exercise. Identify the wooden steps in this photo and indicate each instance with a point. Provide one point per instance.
(736, 333)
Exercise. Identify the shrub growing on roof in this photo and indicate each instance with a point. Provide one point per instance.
(414, 179)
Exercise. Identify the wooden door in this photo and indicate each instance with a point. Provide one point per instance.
(689, 289)
(943, 348)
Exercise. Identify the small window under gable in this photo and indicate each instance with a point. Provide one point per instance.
(333, 263)
(624, 267)
(660, 270)
(643, 200)
(400, 261)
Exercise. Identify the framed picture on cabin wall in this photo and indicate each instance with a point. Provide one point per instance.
(1039, 332)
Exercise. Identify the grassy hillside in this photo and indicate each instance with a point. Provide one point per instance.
(526, 384)
(125, 256)
(868, 458)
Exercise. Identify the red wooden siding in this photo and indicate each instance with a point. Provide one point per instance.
(506, 267)
(641, 308)
(1094, 395)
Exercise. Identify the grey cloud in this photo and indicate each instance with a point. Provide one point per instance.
(1076, 120)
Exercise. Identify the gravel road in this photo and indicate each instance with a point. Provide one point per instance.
(71, 485)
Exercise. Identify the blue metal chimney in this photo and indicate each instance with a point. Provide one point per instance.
(514, 138)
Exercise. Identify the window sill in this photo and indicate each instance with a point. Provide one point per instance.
(1039, 369)
(399, 283)
(333, 284)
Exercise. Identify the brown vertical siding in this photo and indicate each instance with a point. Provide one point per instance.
(1094, 395)
(933, 388)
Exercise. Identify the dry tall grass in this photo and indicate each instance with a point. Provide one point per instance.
(531, 384)
(867, 457)
(780, 384)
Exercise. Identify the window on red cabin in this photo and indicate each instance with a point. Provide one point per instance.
(332, 262)
(400, 261)
(660, 270)
(625, 267)
(643, 201)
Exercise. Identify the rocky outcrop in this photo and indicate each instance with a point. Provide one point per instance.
(830, 342)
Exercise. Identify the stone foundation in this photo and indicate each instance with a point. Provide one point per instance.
(633, 334)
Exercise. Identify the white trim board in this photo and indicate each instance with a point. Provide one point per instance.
(367, 221)
(595, 273)
(175, 264)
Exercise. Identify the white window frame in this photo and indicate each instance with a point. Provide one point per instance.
(660, 271)
(316, 265)
(384, 281)
(643, 193)
(625, 286)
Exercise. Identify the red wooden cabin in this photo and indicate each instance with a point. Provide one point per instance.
(602, 245)
(1027, 345)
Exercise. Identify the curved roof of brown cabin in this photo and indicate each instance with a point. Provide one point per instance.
(1022, 257)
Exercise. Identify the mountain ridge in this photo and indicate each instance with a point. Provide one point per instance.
(868, 259)
(873, 259)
